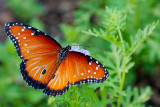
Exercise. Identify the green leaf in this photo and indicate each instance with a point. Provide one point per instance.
(135, 97)
(140, 37)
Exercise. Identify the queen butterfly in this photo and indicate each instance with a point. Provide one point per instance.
(46, 65)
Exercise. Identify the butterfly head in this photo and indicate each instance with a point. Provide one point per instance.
(68, 47)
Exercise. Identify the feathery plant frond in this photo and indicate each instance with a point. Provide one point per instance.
(140, 37)
(135, 98)
(118, 60)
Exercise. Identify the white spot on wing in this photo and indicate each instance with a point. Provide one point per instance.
(96, 62)
(22, 30)
(24, 37)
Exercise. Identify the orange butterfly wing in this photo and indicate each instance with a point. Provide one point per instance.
(76, 68)
(85, 69)
(38, 51)
(60, 81)
(41, 65)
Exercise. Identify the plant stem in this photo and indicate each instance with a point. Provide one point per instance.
(124, 66)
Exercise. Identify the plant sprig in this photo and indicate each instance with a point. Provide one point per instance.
(115, 23)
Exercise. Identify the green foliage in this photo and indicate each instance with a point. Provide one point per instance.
(25, 10)
(119, 58)
(114, 20)
(73, 97)
(37, 24)
(135, 98)
(68, 31)
(85, 17)
(139, 13)
(89, 20)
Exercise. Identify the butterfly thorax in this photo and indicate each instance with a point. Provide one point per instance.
(64, 52)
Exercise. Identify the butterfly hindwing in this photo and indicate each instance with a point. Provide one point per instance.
(60, 81)
(30, 81)
(76, 68)
(85, 69)
(40, 69)
(38, 51)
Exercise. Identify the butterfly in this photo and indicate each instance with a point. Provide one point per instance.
(46, 65)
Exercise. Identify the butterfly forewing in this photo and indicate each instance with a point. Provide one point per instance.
(38, 51)
(30, 42)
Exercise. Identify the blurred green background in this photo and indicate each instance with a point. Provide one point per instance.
(65, 20)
